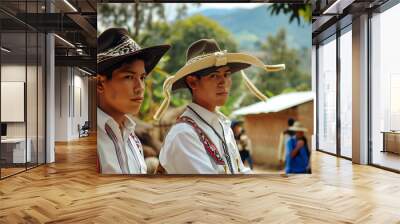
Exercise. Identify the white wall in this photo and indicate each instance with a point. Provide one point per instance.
(71, 93)
(61, 104)
(80, 115)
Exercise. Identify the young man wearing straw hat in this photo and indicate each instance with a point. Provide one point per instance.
(297, 154)
(202, 141)
(122, 67)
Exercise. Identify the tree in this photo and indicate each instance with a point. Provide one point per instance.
(296, 11)
(277, 51)
(191, 29)
(134, 17)
(293, 78)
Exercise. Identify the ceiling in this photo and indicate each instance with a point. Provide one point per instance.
(332, 15)
(74, 21)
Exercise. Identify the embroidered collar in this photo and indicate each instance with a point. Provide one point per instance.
(211, 117)
(103, 118)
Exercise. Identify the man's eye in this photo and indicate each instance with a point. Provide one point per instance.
(227, 74)
(213, 76)
(130, 77)
(142, 77)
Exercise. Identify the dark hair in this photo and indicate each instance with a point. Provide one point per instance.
(108, 72)
(187, 85)
(290, 122)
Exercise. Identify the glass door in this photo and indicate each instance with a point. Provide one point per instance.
(327, 96)
(346, 93)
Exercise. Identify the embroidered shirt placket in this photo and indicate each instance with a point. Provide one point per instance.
(121, 154)
(224, 145)
(132, 148)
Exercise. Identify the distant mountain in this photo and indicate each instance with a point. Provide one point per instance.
(260, 26)
(212, 12)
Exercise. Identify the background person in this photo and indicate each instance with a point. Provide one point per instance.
(243, 142)
(298, 154)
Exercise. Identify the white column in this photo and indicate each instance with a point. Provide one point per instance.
(360, 90)
(50, 99)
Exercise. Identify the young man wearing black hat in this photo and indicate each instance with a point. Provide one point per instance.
(202, 141)
(122, 67)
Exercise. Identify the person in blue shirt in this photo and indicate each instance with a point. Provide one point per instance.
(297, 154)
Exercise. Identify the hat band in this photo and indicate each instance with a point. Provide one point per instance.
(126, 47)
(221, 58)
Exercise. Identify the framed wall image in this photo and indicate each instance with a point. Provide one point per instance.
(195, 89)
(12, 101)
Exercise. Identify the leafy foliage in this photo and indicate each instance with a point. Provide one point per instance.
(190, 30)
(296, 11)
(148, 25)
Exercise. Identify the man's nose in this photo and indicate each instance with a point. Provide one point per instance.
(139, 85)
(222, 79)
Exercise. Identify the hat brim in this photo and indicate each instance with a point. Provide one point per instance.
(151, 56)
(233, 67)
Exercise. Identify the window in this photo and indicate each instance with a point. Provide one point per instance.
(346, 93)
(327, 96)
(385, 89)
(22, 76)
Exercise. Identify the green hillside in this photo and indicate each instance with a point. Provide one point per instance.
(262, 24)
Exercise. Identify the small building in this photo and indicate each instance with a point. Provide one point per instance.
(265, 121)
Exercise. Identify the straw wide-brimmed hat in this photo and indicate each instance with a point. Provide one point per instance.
(115, 45)
(202, 48)
(297, 126)
(202, 58)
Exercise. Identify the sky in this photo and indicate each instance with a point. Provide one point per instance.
(171, 7)
(230, 5)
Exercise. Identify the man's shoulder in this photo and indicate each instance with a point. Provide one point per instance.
(178, 138)
(180, 129)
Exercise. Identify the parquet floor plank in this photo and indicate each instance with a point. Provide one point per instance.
(70, 191)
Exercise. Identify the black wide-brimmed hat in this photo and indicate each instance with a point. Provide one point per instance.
(115, 45)
(200, 49)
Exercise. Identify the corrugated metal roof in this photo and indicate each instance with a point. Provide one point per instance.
(276, 103)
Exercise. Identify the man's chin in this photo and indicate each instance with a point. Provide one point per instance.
(221, 101)
(134, 110)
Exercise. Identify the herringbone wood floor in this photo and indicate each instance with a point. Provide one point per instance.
(70, 191)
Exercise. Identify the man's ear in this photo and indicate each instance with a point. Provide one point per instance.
(100, 83)
(191, 81)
